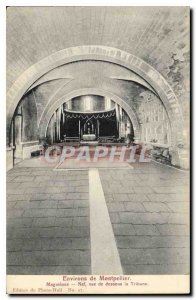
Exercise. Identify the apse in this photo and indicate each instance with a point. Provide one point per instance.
(90, 119)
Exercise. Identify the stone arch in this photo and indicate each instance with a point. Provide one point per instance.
(81, 92)
(103, 53)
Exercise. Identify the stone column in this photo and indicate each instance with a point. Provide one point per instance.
(18, 129)
(9, 158)
(12, 134)
(57, 124)
(56, 127)
(79, 129)
(98, 128)
(119, 121)
(52, 129)
(18, 136)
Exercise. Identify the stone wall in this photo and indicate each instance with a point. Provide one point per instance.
(155, 125)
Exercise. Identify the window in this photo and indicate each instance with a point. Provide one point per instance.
(88, 103)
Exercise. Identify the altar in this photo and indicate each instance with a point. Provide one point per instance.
(88, 128)
(89, 137)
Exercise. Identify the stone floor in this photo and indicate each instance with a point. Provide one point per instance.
(48, 229)
(149, 211)
(48, 219)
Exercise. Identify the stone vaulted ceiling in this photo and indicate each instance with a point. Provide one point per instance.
(158, 35)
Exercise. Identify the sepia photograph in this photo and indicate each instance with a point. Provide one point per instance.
(98, 148)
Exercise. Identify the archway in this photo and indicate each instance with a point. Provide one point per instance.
(103, 53)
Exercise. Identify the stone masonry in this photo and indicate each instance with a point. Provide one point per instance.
(48, 224)
(48, 230)
(149, 211)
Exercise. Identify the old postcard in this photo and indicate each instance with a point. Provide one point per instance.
(98, 146)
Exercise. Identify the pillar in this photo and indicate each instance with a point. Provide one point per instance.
(79, 129)
(18, 136)
(98, 128)
(18, 129)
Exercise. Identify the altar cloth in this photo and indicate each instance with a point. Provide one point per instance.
(89, 137)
